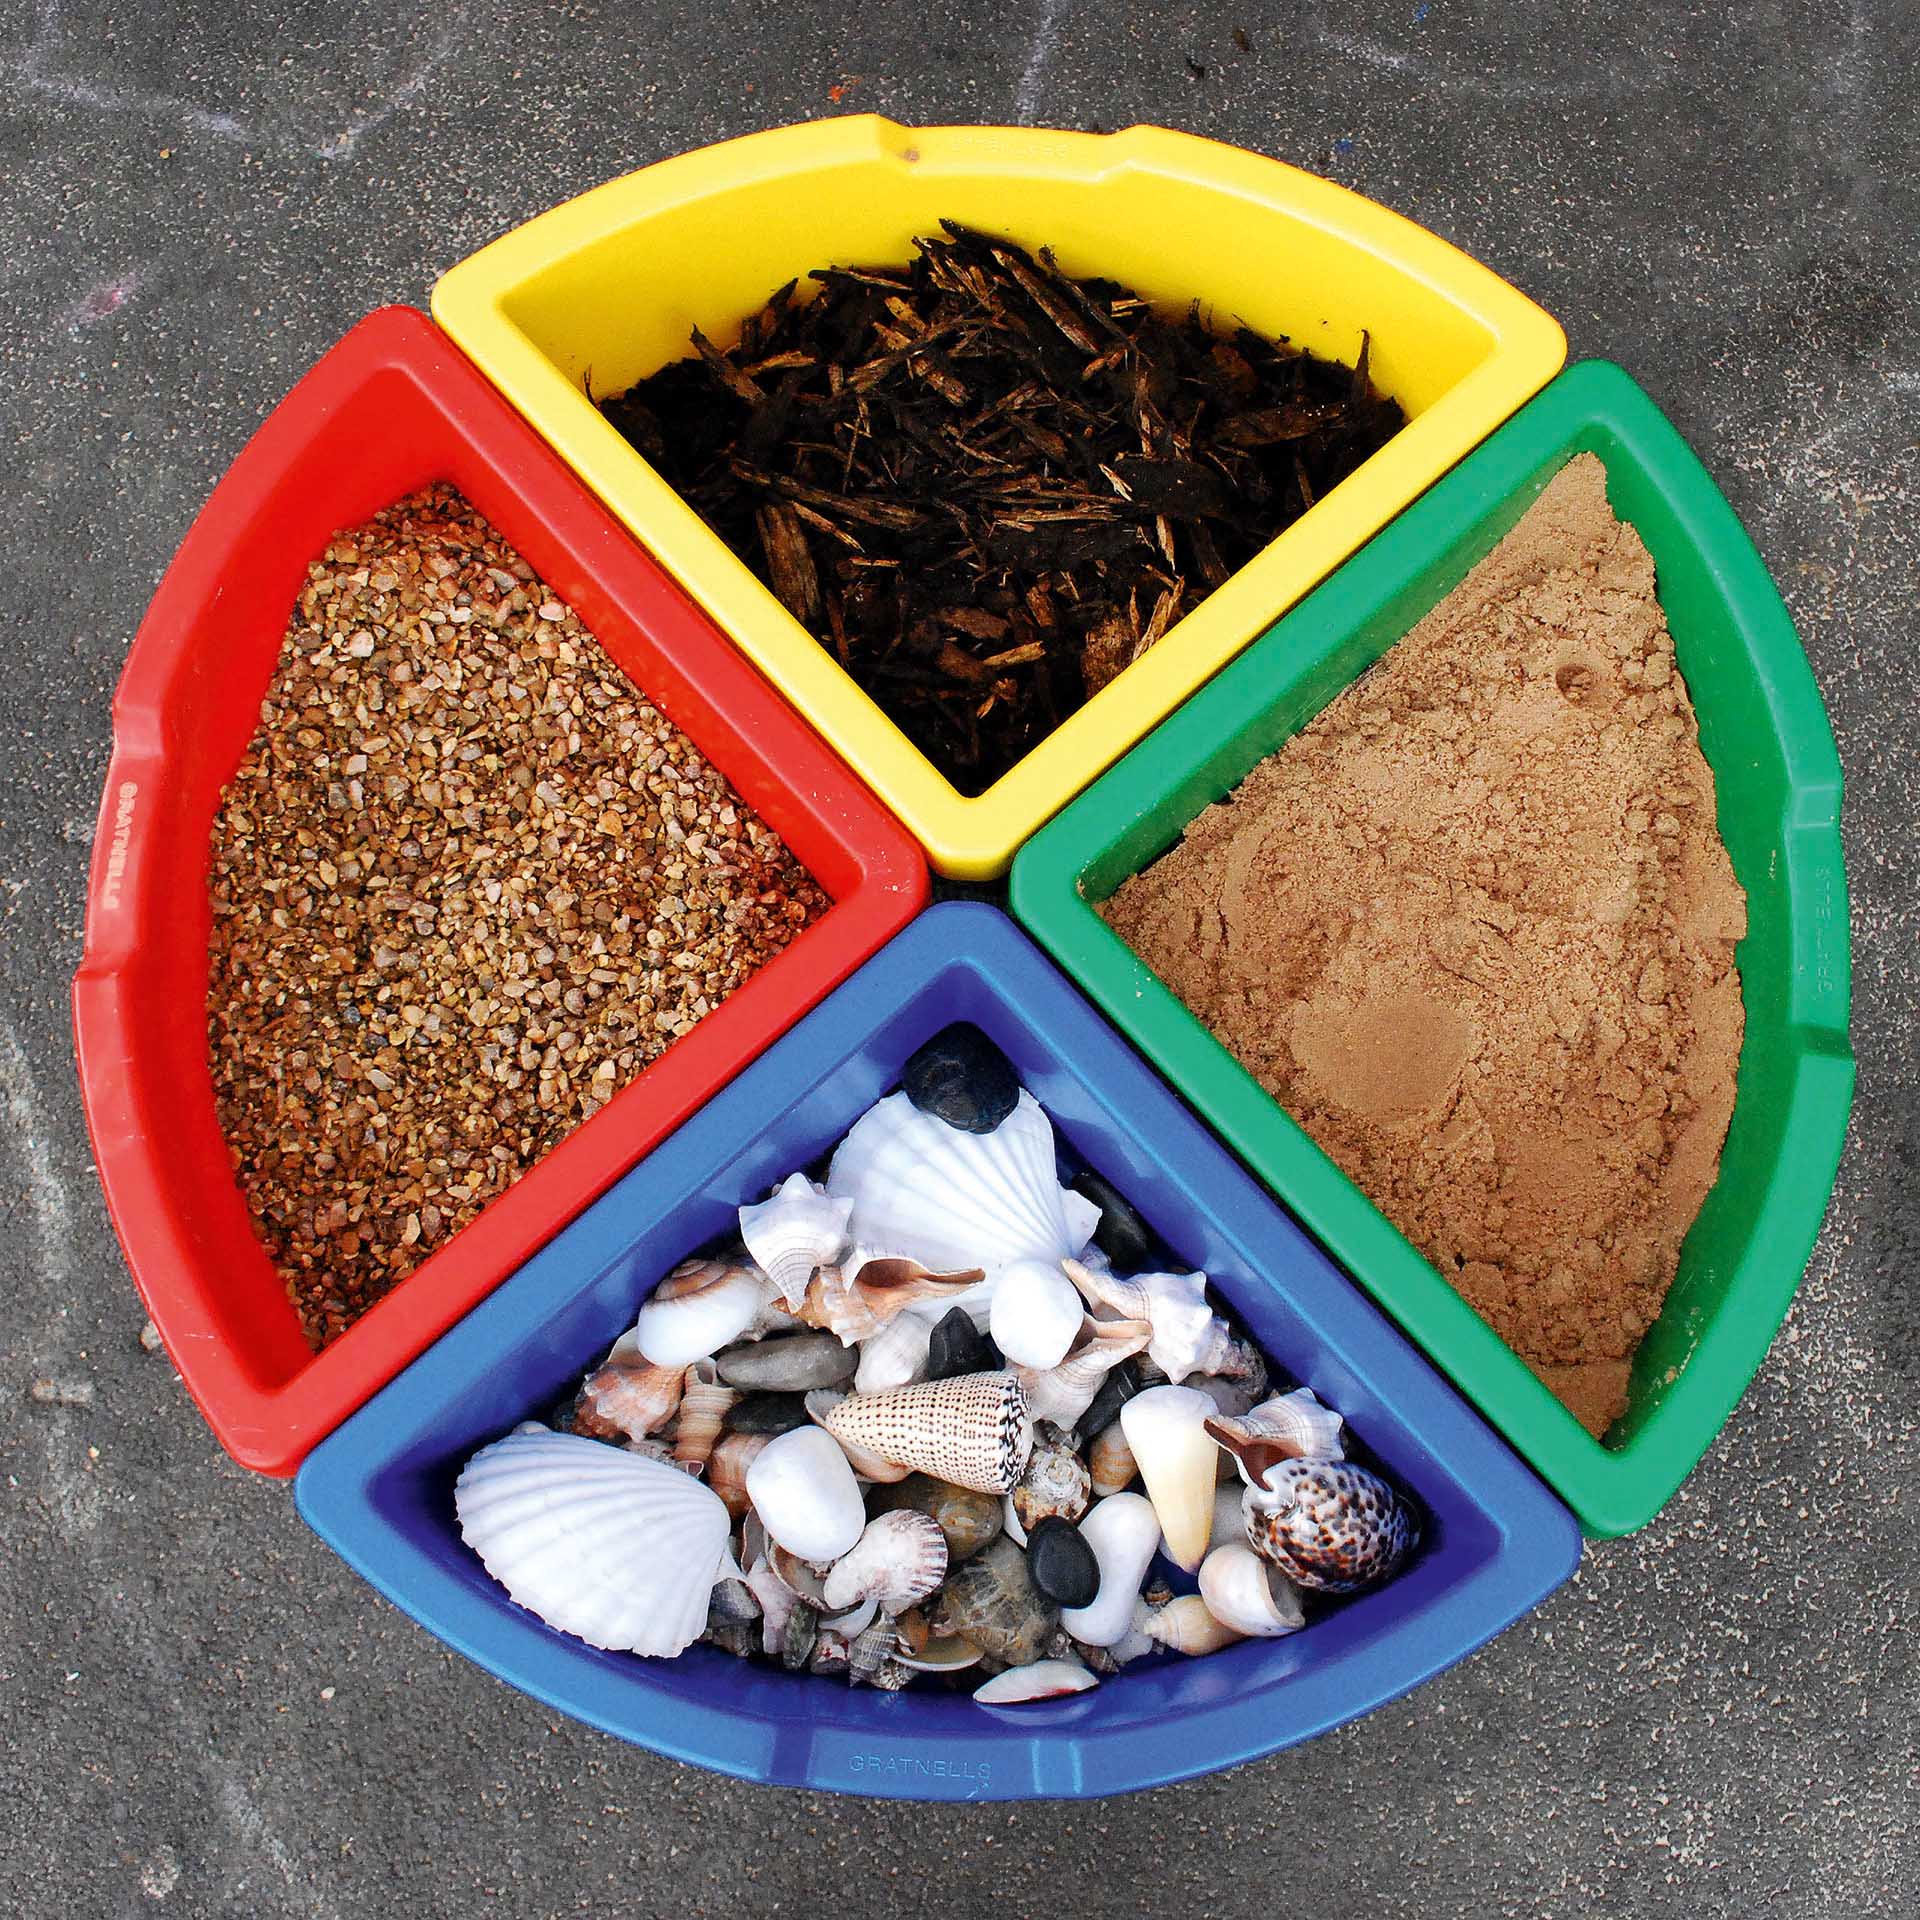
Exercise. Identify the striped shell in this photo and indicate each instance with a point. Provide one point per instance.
(972, 1431)
(617, 1550)
(799, 1228)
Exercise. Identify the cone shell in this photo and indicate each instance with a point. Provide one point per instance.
(1167, 1429)
(1111, 1463)
(801, 1227)
(727, 1469)
(619, 1551)
(1187, 1625)
(973, 1430)
(1063, 1393)
(866, 1463)
(704, 1405)
(697, 1309)
(1329, 1524)
(1036, 1313)
(898, 1560)
(806, 1495)
(929, 1192)
(1123, 1531)
(1243, 1592)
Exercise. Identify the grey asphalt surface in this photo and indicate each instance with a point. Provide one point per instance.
(201, 1711)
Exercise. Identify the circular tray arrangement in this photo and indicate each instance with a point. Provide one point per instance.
(494, 399)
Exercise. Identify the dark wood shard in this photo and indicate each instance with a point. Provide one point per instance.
(989, 487)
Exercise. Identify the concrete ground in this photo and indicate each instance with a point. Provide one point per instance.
(203, 1712)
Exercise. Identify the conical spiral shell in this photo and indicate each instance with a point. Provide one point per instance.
(705, 1402)
(801, 1227)
(926, 1191)
(619, 1551)
(1063, 1393)
(627, 1396)
(972, 1431)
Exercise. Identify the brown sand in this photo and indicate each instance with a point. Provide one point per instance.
(1474, 928)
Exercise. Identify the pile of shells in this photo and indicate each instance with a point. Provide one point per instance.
(941, 1415)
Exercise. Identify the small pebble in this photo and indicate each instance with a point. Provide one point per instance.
(61, 1393)
(961, 1077)
(1120, 1385)
(958, 1347)
(150, 1337)
(1122, 1235)
(796, 1364)
(1061, 1564)
(768, 1413)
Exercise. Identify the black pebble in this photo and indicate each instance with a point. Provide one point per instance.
(958, 1347)
(768, 1413)
(1061, 1564)
(961, 1077)
(1122, 1235)
(1120, 1385)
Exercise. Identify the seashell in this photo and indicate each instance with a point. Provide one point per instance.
(1037, 1680)
(898, 1560)
(800, 1227)
(1167, 1429)
(894, 1677)
(1061, 1564)
(968, 1520)
(732, 1603)
(992, 1602)
(697, 1309)
(1244, 1593)
(1188, 1337)
(792, 1364)
(1291, 1426)
(734, 1637)
(874, 1644)
(961, 1077)
(806, 1496)
(1121, 1236)
(896, 1355)
(777, 1601)
(1123, 1531)
(767, 1414)
(704, 1405)
(618, 1551)
(947, 1653)
(958, 1346)
(854, 1305)
(867, 1464)
(1056, 1481)
(928, 1192)
(727, 1468)
(626, 1397)
(1233, 1395)
(855, 1620)
(1136, 1643)
(1187, 1626)
(1110, 1462)
(801, 1636)
(1036, 1313)
(1063, 1393)
(1329, 1524)
(973, 1431)
(831, 1652)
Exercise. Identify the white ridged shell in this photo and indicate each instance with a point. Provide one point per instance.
(1036, 1313)
(801, 1227)
(898, 1560)
(951, 1200)
(618, 1550)
(806, 1496)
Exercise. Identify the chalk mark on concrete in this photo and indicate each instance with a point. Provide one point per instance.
(1040, 51)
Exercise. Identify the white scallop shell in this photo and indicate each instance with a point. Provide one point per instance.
(617, 1550)
(806, 1496)
(951, 1200)
(801, 1227)
(1036, 1313)
(898, 1560)
(700, 1307)
(1123, 1531)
